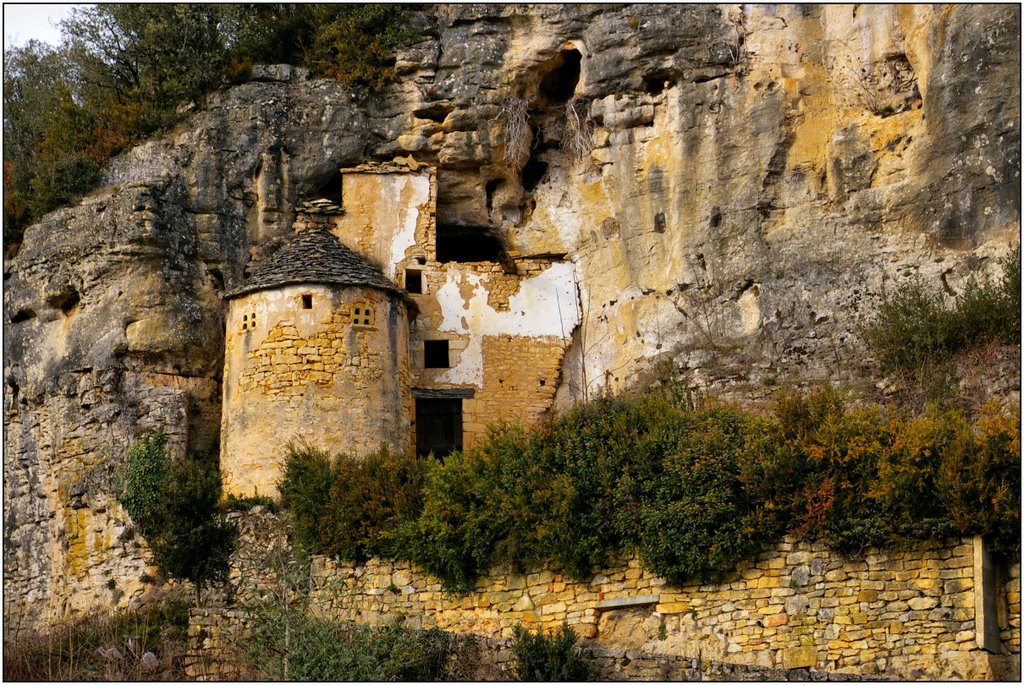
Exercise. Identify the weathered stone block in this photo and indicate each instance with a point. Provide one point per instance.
(800, 657)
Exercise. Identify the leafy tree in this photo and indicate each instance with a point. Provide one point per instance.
(44, 130)
(174, 505)
(123, 71)
(155, 55)
(356, 44)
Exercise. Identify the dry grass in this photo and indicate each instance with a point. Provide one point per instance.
(576, 136)
(517, 131)
(84, 649)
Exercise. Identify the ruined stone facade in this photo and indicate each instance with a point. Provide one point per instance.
(505, 319)
(348, 368)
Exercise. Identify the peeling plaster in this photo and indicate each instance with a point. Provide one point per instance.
(545, 306)
(405, 236)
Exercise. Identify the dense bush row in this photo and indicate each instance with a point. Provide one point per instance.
(123, 73)
(694, 489)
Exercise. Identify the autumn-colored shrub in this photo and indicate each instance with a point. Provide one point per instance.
(695, 488)
(369, 499)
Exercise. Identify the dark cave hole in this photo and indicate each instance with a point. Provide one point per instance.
(533, 173)
(716, 218)
(218, 279)
(489, 190)
(559, 84)
(655, 83)
(15, 388)
(23, 315)
(435, 112)
(66, 300)
(457, 243)
(331, 190)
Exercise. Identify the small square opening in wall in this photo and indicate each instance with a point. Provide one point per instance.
(435, 354)
(307, 301)
(414, 281)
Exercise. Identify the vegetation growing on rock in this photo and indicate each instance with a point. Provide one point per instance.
(126, 72)
(175, 506)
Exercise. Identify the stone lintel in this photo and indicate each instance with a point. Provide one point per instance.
(625, 602)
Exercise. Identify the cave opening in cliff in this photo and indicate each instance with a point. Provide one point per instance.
(489, 191)
(456, 243)
(23, 315)
(654, 83)
(330, 190)
(559, 84)
(66, 300)
(533, 173)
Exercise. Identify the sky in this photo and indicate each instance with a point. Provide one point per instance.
(23, 23)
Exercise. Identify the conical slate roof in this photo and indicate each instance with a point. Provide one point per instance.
(315, 256)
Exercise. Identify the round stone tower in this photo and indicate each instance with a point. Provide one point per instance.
(317, 349)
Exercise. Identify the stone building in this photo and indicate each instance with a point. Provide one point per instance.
(322, 346)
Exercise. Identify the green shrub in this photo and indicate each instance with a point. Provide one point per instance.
(913, 329)
(369, 499)
(694, 519)
(455, 536)
(297, 645)
(143, 481)
(194, 541)
(601, 450)
(555, 657)
(916, 335)
(175, 506)
(305, 490)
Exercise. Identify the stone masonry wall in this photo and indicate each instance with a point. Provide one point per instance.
(288, 366)
(215, 636)
(520, 379)
(899, 614)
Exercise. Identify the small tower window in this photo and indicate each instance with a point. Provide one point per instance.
(362, 316)
(414, 281)
(307, 301)
(248, 321)
(435, 354)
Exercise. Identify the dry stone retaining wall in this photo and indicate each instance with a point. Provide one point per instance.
(899, 614)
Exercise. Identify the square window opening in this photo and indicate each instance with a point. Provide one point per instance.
(307, 301)
(435, 354)
(414, 281)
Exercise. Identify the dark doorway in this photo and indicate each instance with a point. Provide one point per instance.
(438, 426)
(457, 243)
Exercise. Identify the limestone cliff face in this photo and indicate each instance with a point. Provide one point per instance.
(735, 185)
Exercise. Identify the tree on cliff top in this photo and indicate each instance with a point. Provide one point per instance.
(126, 72)
(174, 505)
